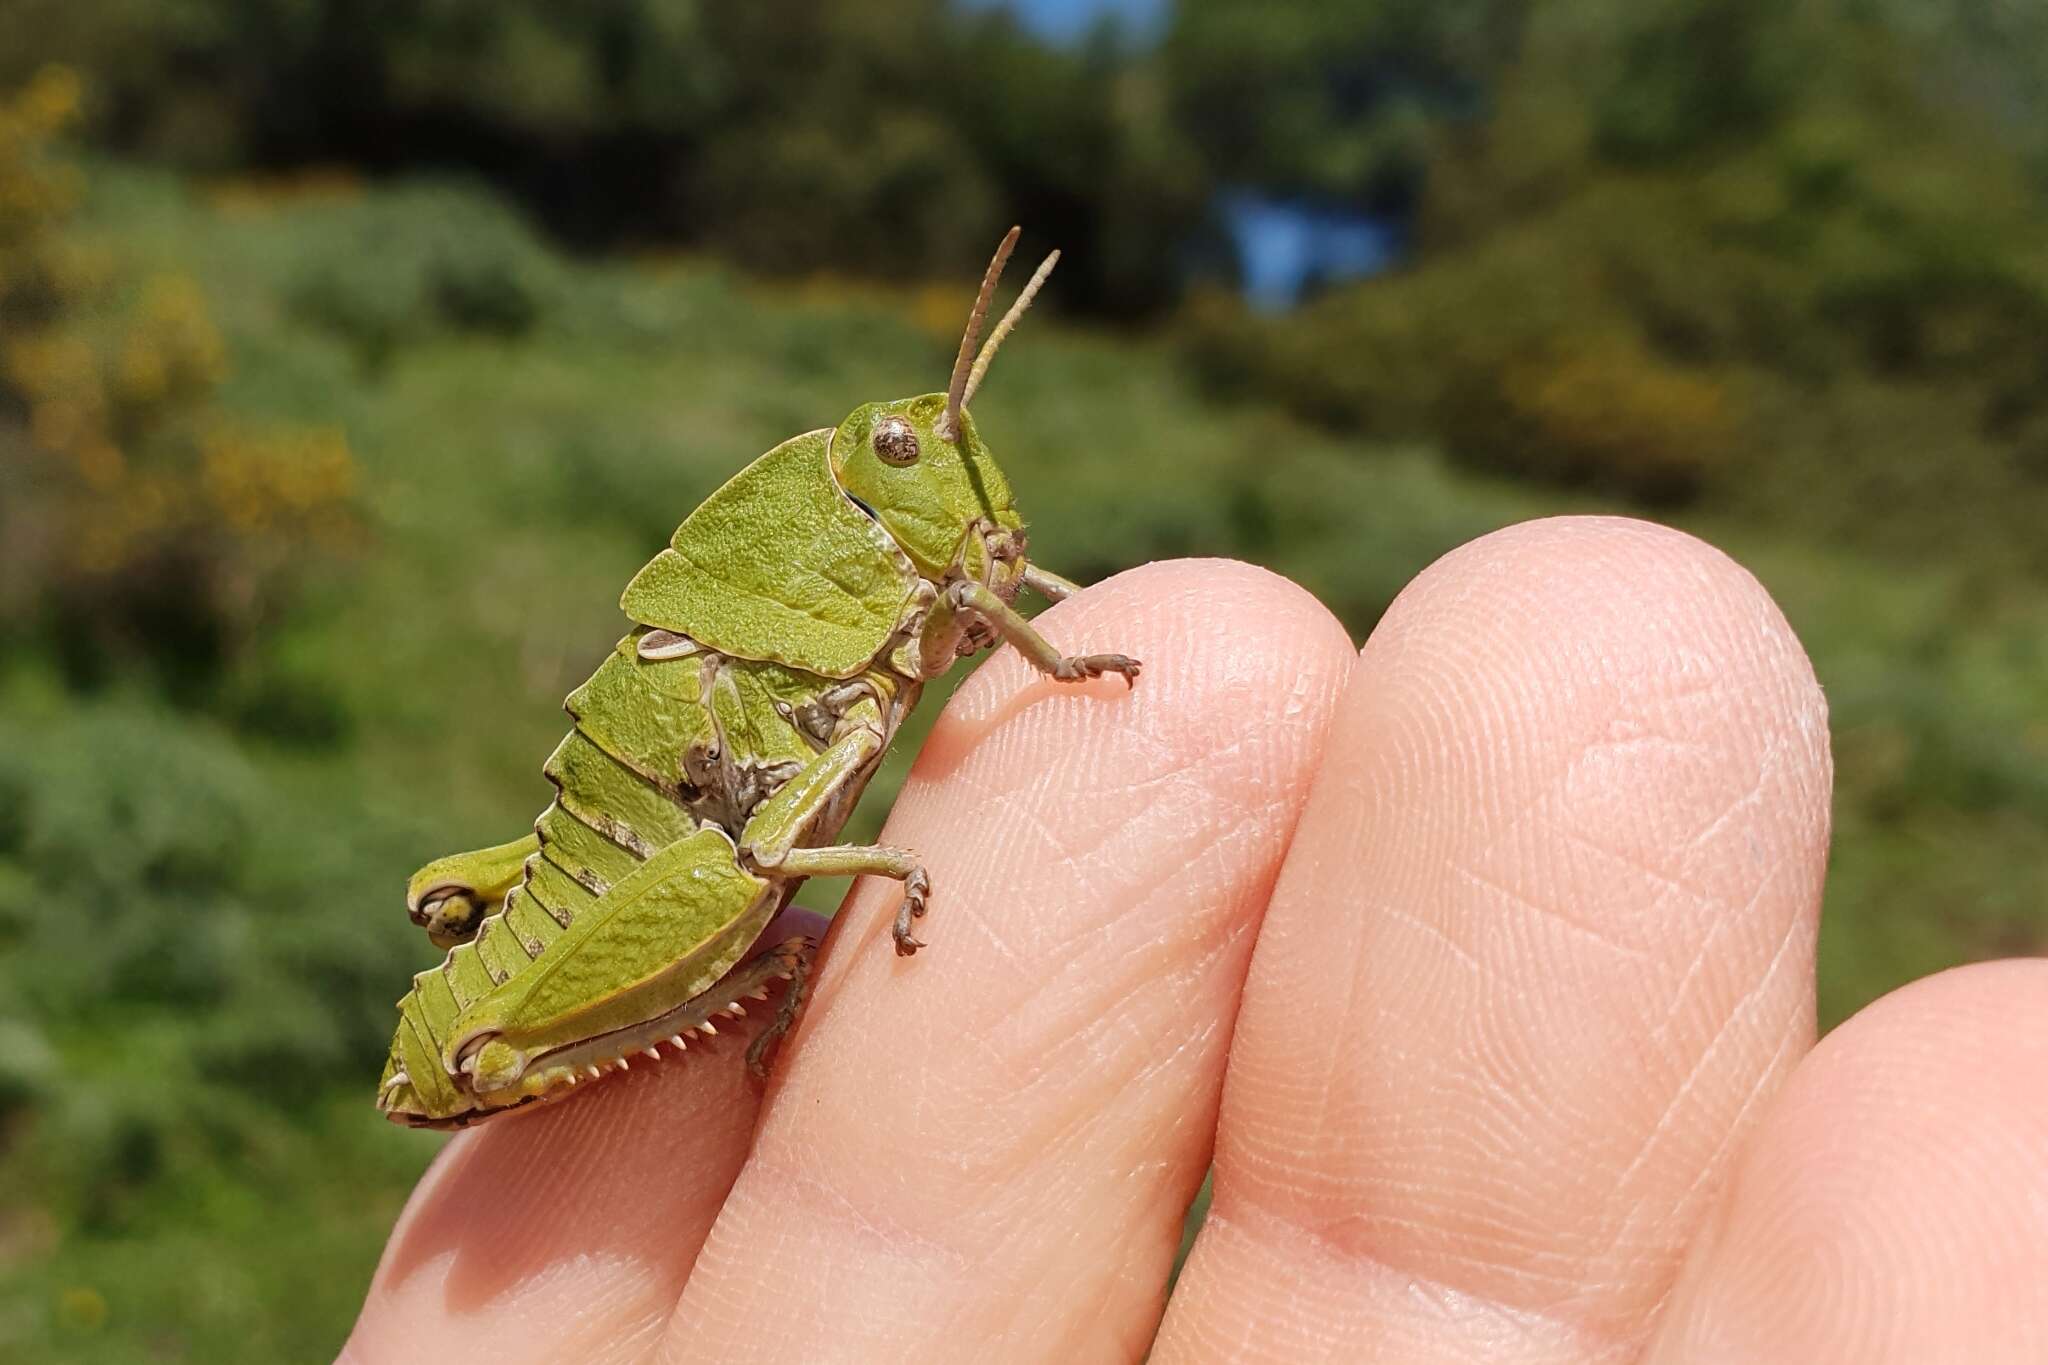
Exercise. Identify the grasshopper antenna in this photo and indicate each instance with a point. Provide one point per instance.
(956, 391)
(995, 338)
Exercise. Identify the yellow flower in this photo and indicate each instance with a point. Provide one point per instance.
(101, 462)
(143, 377)
(57, 424)
(52, 99)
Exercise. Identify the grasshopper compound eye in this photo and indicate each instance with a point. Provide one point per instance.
(895, 442)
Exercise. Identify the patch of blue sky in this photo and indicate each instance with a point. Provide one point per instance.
(1065, 21)
(1286, 247)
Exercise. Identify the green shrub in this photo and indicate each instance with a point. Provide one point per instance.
(1831, 312)
(427, 261)
(1608, 412)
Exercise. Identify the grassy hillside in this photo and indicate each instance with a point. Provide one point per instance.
(200, 928)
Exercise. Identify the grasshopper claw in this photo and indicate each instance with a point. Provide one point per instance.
(917, 888)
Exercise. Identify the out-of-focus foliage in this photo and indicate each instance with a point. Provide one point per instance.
(898, 137)
(139, 520)
(1334, 101)
(1722, 250)
(405, 268)
(185, 986)
(892, 137)
(1990, 55)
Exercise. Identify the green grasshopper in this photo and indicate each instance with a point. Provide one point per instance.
(718, 751)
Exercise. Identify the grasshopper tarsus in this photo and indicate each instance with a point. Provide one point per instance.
(799, 952)
(1075, 667)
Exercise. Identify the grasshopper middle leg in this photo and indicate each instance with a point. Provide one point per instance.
(818, 798)
(867, 860)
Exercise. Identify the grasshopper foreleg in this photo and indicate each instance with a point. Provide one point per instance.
(964, 603)
(1049, 585)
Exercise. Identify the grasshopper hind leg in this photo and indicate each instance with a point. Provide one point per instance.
(451, 896)
(792, 960)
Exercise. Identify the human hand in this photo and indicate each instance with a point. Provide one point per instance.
(1517, 1065)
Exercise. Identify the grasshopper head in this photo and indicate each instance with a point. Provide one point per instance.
(919, 468)
(941, 499)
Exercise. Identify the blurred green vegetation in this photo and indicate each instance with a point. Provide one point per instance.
(1775, 273)
(891, 137)
(1725, 255)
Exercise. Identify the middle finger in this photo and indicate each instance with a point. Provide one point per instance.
(1543, 944)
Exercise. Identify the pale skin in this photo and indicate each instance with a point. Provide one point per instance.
(1480, 964)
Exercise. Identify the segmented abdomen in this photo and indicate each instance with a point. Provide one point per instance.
(620, 796)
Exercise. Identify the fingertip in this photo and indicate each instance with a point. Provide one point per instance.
(1666, 606)
(1893, 1205)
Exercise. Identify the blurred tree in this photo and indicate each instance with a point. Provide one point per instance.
(832, 145)
(1334, 101)
(1684, 74)
(893, 137)
(1988, 55)
(1086, 146)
